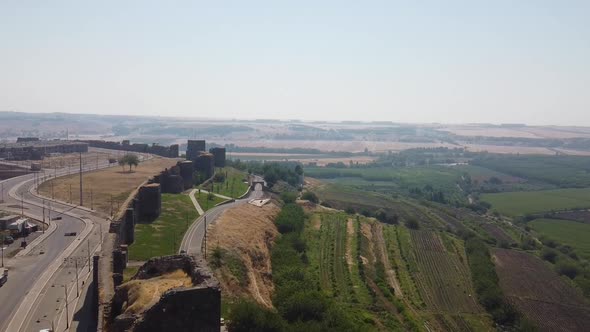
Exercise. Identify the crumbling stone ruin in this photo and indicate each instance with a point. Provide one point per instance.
(195, 305)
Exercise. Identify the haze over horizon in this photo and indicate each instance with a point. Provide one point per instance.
(451, 62)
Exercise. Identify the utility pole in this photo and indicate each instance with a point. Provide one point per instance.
(22, 205)
(2, 198)
(67, 308)
(52, 196)
(44, 217)
(2, 251)
(111, 205)
(88, 241)
(77, 280)
(91, 203)
(205, 238)
(81, 195)
(70, 201)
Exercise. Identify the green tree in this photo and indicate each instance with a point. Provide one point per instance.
(129, 159)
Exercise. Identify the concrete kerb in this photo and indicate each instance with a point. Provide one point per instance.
(225, 202)
(195, 202)
(246, 193)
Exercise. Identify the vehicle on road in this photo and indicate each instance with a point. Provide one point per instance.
(56, 218)
(70, 234)
(4, 276)
(8, 239)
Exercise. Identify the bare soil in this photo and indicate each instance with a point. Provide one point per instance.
(539, 293)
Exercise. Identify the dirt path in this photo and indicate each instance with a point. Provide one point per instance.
(382, 253)
(349, 237)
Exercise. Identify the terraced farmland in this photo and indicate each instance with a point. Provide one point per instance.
(443, 277)
(539, 293)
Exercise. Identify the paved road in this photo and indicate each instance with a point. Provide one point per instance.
(34, 294)
(193, 238)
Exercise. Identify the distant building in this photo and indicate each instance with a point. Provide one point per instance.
(219, 156)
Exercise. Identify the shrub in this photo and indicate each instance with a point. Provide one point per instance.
(350, 210)
(567, 269)
(412, 224)
(248, 316)
(290, 219)
(288, 197)
(549, 255)
(310, 196)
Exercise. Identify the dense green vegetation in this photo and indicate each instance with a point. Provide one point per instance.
(485, 281)
(229, 181)
(571, 233)
(207, 200)
(163, 236)
(289, 172)
(529, 202)
(298, 301)
(561, 171)
(429, 182)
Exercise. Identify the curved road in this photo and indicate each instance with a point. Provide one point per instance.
(193, 238)
(33, 273)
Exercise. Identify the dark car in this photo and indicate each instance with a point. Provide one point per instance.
(70, 234)
(8, 239)
(56, 218)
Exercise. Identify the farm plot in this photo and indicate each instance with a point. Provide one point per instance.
(329, 255)
(527, 202)
(572, 233)
(539, 293)
(581, 216)
(443, 277)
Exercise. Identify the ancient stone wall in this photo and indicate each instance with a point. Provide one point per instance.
(196, 308)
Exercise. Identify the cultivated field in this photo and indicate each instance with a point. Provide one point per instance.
(581, 215)
(318, 159)
(572, 233)
(442, 276)
(104, 186)
(538, 292)
(526, 202)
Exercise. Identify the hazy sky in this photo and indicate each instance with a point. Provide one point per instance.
(412, 61)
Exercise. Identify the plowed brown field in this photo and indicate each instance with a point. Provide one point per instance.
(539, 293)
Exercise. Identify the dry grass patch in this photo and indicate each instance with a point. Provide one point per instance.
(106, 184)
(142, 294)
(245, 235)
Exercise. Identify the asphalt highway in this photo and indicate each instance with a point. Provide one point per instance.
(32, 297)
